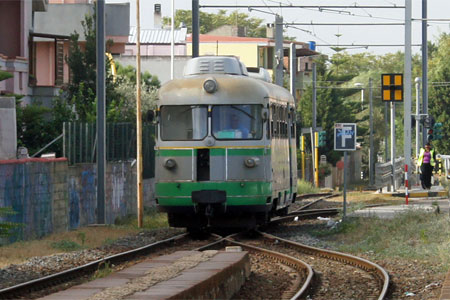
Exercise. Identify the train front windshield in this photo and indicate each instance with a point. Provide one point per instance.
(229, 122)
(237, 122)
(184, 122)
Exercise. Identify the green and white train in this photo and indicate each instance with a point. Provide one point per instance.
(225, 149)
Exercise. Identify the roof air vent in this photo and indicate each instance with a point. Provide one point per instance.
(215, 65)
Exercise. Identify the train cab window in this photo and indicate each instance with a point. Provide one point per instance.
(184, 122)
(237, 122)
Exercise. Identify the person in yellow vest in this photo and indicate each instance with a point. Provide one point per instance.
(426, 163)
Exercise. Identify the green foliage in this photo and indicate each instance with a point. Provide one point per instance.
(439, 92)
(129, 73)
(5, 75)
(305, 187)
(82, 237)
(211, 21)
(6, 227)
(332, 107)
(120, 91)
(66, 245)
(104, 270)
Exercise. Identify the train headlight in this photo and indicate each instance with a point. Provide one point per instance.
(170, 163)
(251, 162)
(210, 85)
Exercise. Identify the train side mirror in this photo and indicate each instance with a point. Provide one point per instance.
(265, 114)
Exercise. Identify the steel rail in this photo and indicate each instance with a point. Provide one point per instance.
(362, 263)
(326, 196)
(305, 214)
(305, 196)
(280, 257)
(89, 268)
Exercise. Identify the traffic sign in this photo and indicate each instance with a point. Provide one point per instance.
(345, 137)
(392, 87)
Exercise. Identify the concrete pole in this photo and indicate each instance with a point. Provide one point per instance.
(302, 148)
(195, 29)
(386, 133)
(407, 88)
(418, 118)
(314, 95)
(424, 68)
(314, 121)
(371, 150)
(362, 99)
(279, 50)
(101, 112)
(172, 42)
(417, 81)
(345, 185)
(139, 165)
(293, 69)
(393, 144)
(316, 159)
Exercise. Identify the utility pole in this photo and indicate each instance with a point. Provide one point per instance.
(417, 81)
(279, 53)
(393, 144)
(293, 68)
(314, 123)
(386, 133)
(371, 150)
(195, 29)
(101, 124)
(424, 68)
(407, 88)
(172, 40)
(140, 203)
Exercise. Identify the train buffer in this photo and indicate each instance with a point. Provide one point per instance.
(180, 275)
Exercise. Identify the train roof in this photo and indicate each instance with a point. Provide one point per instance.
(233, 85)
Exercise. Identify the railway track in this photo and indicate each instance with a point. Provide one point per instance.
(51, 283)
(266, 250)
(336, 275)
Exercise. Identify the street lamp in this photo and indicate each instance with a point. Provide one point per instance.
(360, 86)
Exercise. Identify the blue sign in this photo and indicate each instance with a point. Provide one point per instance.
(345, 137)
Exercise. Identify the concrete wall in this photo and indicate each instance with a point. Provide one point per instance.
(8, 131)
(50, 196)
(117, 19)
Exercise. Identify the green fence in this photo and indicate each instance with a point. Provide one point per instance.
(80, 142)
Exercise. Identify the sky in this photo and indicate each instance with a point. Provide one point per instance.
(326, 35)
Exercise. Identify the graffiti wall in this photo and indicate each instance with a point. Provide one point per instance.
(49, 196)
(27, 186)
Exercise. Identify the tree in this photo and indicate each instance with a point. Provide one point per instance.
(125, 109)
(439, 90)
(211, 21)
(81, 91)
(331, 106)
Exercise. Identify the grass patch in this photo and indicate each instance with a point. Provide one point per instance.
(103, 271)
(411, 235)
(305, 187)
(66, 245)
(82, 238)
(152, 219)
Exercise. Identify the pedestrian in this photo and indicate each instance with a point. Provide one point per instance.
(426, 163)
